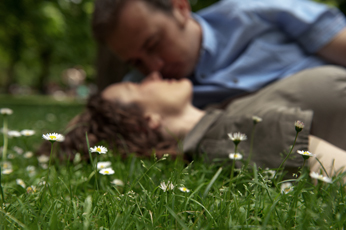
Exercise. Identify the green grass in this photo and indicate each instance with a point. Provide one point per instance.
(40, 113)
(77, 197)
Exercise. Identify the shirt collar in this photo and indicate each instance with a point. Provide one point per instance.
(196, 134)
(209, 41)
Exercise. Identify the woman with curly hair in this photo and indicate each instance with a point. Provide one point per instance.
(155, 115)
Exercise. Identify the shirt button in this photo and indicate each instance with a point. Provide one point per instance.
(235, 80)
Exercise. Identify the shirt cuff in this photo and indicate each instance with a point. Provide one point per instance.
(323, 31)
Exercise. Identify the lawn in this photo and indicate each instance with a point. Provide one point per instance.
(149, 193)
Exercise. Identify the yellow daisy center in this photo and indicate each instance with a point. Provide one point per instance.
(52, 137)
(98, 150)
(101, 166)
(106, 172)
(305, 153)
(184, 189)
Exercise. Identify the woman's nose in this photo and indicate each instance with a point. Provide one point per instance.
(153, 76)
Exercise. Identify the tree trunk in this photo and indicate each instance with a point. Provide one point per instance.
(109, 68)
(45, 60)
(16, 48)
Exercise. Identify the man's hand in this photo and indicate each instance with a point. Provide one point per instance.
(335, 50)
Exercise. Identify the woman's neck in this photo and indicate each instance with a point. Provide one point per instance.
(179, 125)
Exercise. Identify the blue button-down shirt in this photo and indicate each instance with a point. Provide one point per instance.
(247, 44)
(250, 43)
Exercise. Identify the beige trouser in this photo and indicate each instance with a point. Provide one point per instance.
(332, 158)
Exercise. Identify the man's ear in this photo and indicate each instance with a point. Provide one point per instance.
(181, 10)
(154, 120)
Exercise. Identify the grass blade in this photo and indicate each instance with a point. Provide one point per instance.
(212, 182)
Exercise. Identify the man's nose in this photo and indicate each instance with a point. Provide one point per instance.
(154, 63)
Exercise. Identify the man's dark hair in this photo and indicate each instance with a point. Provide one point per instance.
(106, 13)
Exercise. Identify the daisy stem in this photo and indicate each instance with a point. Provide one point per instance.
(283, 162)
(4, 152)
(50, 159)
(2, 192)
(304, 163)
(233, 163)
(95, 167)
(232, 169)
(251, 143)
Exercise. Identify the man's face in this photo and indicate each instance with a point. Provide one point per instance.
(152, 40)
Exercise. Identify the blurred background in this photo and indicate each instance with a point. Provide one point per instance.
(49, 63)
(46, 47)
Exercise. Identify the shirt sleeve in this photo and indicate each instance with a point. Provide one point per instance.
(312, 24)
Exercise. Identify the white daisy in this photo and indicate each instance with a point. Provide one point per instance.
(77, 158)
(320, 177)
(99, 149)
(305, 154)
(27, 132)
(44, 166)
(237, 137)
(103, 164)
(41, 183)
(117, 182)
(52, 136)
(14, 133)
(107, 171)
(269, 173)
(20, 182)
(6, 165)
(31, 170)
(7, 171)
(235, 156)
(256, 119)
(43, 159)
(184, 189)
(167, 187)
(28, 154)
(61, 139)
(299, 125)
(31, 189)
(286, 187)
(6, 111)
(18, 150)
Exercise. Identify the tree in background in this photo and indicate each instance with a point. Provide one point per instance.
(39, 39)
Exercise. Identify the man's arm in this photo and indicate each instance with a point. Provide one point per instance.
(335, 50)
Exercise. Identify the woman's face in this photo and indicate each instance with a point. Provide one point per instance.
(154, 94)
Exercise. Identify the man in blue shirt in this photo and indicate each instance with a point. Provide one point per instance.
(230, 48)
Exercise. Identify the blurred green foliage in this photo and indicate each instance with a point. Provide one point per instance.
(39, 39)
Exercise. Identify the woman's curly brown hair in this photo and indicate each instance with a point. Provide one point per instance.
(120, 126)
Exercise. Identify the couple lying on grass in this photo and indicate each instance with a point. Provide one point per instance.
(157, 114)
